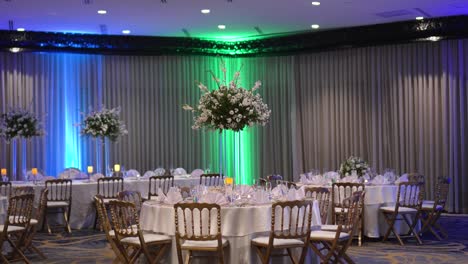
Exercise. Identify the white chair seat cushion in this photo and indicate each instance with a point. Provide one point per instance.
(326, 235)
(13, 219)
(107, 200)
(263, 240)
(11, 228)
(400, 209)
(149, 238)
(56, 204)
(329, 227)
(33, 221)
(338, 210)
(203, 244)
(431, 206)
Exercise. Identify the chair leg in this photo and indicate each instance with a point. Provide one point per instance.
(161, 252)
(16, 250)
(412, 226)
(291, 255)
(67, 224)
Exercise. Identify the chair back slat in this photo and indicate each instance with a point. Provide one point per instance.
(350, 211)
(410, 194)
(59, 189)
(42, 204)
(212, 179)
(291, 219)
(5, 189)
(344, 190)
(193, 221)
(322, 195)
(109, 187)
(441, 194)
(159, 182)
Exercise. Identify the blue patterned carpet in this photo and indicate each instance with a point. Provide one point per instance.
(86, 246)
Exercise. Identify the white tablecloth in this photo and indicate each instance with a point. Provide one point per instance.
(239, 225)
(83, 212)
(3, 208)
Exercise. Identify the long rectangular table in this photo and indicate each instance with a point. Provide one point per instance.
(83, 212)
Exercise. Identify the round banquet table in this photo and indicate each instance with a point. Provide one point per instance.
(239, 225)
(3, 208)
(83, 191)
(376, 196)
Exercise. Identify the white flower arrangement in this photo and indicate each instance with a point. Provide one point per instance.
(229, 108)
(19, 123)
(354, 164)
(104, 123)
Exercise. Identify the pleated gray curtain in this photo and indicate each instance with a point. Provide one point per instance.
(402, 107)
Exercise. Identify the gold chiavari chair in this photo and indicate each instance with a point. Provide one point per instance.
(342, 191)
(290, 228)
(408, 206)
(159, 182)
(32, 229)
(108, 188)
(5, 189)
(128, 233)
(331, 245)
(59, 200)
(108, 231)
(431, 210)
(132, 197)
(322, 195)
(211, 179)
(17, 222)
(194, 231)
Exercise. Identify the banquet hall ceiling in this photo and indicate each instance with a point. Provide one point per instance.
(242, 18)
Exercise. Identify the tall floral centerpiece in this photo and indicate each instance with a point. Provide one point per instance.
(103, 124)
(229, 107)
(354, 164)
(19, 123)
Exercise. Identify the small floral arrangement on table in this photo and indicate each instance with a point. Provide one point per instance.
(354, 164)
(229, 107)
(20, 123)
(104, 123)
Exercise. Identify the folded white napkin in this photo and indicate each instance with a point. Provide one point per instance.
(331, 175)
(261, 197)
(179, 171)
(214, 197)
(173, 196)
(379, 180)
(70, 173)
(294, 194)
(46, 178)
(304, 179)
(403, 178)
(318, 180)
(280, 191)
(390, 176)
(95, 177)
(132, 173)
(149, 174)
(197, 173)
(159, 172)
(244, 190)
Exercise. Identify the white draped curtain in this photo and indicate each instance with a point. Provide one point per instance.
(398, 106)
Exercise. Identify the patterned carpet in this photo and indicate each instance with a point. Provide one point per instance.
(86, 246)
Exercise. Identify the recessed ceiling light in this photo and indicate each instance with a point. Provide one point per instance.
(205, 11)
(419, 18)
(222, 26)
(102, 12)
(20, 29)
(314, 26)
(316, 3)
(126, 31)
(15, 49)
